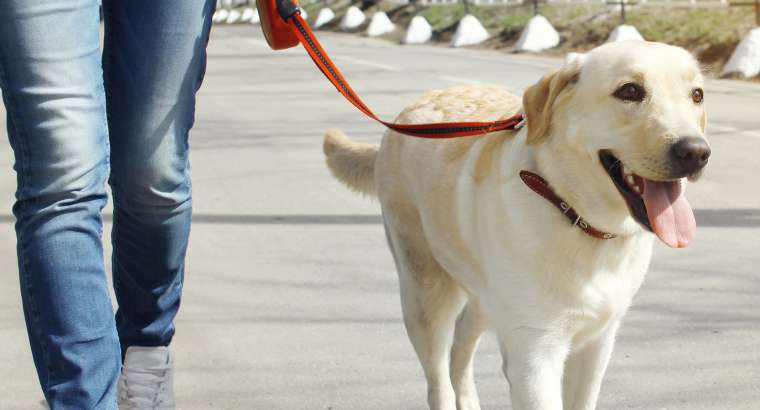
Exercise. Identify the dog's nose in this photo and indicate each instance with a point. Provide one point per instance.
(690, 154)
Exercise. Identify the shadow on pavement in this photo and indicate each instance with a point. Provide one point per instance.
(732, 218)
(710, 218)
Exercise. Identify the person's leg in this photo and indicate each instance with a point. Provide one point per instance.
(154, 61)
(52, 86)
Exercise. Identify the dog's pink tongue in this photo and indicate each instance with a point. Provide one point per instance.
(669, 212)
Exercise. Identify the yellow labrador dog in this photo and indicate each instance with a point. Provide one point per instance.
(543, 235)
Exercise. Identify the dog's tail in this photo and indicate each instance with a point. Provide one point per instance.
(352, 163)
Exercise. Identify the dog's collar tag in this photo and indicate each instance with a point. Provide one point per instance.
(541, 187)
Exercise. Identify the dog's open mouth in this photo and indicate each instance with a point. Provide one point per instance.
(659, 206)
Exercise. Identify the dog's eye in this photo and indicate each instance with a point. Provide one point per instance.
(631, 92)
(697, 95)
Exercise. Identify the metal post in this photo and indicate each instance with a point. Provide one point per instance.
(535, 7)
(467, 6)
(622, 10)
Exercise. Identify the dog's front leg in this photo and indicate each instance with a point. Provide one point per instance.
(533, 364)
(585, 370)
(470, 326)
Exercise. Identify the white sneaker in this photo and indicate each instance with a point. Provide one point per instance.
(147, 379)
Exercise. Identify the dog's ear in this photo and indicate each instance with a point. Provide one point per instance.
(539, 99)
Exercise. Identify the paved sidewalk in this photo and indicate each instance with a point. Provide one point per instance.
(291, 299)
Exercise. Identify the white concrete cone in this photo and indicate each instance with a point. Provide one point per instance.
(419, 31)
(247, 15)
(304, 14)
(380, 24)
(469, 32)
(323, 17)
(221, 16)
(746, 58)
(255, 19)
(624, 32)
(233, 17)
(538, 35)
(352, 19)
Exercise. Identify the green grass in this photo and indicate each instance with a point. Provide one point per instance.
(673, 25)
(710, 33)
(682, 26)
(507, 18)
(689, 25)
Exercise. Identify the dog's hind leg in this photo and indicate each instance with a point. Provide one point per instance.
(429, 315)
(470, 326)
(431, 301)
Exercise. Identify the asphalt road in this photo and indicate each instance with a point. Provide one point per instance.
(291, 297)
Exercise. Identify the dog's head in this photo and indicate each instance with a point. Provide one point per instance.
(632, 114)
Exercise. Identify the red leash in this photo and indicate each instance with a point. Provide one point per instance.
(278, 37)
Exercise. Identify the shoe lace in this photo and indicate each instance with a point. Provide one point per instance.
(143, 388)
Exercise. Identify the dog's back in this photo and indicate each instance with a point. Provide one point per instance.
(354, 163)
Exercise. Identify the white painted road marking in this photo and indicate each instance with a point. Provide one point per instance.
(727, 129)
(365, 63)
(462, 80)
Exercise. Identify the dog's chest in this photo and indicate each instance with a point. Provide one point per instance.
(594, 285)
(584, 289)
(599, 303)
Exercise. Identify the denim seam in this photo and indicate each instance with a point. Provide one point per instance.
(23, 173)
(105, 67)
(205, 31)
(105, 64)
(107, 149)
(15, 123)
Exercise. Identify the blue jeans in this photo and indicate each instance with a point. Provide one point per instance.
(75, 120)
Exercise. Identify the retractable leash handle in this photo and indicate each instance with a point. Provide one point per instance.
(274, 15)
(284, 28)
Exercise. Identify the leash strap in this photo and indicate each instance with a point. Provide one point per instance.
(434, 130)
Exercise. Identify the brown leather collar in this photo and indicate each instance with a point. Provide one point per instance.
(541, 187)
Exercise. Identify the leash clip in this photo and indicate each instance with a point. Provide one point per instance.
(286, 9)
(521, 124)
